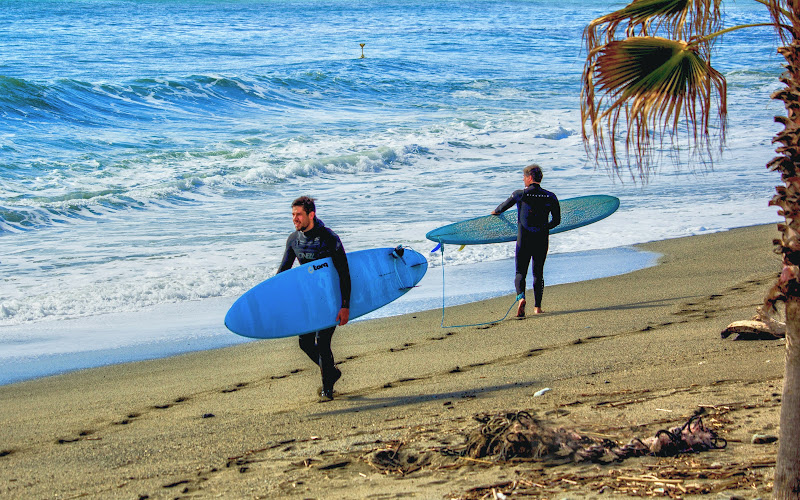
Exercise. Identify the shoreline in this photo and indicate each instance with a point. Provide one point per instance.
(173, 329)
(622, 357)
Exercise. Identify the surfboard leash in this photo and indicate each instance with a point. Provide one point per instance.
(397, 254)
(440, 247)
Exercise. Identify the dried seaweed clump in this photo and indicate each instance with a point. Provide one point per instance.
(519, 435)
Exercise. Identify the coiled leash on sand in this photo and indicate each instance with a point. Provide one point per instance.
(440, 247)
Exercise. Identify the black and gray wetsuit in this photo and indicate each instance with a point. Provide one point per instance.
(318, 243)
(538, 212)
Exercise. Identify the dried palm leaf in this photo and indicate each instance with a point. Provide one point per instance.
(654, 85)
(680, 19)
(786, 17)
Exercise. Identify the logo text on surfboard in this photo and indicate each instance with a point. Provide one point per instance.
(314, 267)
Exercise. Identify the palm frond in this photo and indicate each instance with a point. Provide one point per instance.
(649, 86)
(682, 19)
(786, 18)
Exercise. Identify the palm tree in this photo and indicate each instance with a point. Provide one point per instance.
(648, 78)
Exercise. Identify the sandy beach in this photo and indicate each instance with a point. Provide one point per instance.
(616, 358)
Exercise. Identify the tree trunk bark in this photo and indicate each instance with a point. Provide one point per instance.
(787, 470)
(787, 289)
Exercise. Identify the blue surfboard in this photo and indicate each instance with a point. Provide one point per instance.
(307, 298)
(575, 212)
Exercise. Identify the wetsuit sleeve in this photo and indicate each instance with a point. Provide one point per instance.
(556, 214)
(288, 257)
(339, 259)
(510, 202)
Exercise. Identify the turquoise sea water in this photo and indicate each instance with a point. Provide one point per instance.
(149, 150)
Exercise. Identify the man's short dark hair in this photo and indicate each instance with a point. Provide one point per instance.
(534, 171)
(306, 202)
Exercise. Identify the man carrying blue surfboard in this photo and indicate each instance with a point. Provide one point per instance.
(311, 241)
(538, 211)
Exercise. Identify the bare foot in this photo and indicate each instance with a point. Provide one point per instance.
(521, 308)
(537, 310)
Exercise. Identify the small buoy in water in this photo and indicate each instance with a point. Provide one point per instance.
(362, 49)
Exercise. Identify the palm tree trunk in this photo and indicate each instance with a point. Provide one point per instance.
(787, 470)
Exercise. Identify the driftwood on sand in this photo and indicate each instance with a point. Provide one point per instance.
(761, 327)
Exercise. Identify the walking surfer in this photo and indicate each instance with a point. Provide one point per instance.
(311, 241)
(538, 212)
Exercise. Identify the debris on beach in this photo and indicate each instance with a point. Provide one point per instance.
(518, 436)
(670, 480)
(390, 460)
(541, 392)
(762, 326)
(515, 435)
(753, 330)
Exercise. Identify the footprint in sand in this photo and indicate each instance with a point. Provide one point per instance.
(128, 419)
(235, 388)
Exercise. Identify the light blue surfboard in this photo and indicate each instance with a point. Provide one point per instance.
(575, 212)
(307, 298)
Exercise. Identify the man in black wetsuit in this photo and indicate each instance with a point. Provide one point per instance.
(314, 241)
(538, 212)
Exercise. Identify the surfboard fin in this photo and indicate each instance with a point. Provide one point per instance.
(461, 247)
(437, 247)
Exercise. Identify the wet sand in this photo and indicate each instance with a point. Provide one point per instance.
(622, 357)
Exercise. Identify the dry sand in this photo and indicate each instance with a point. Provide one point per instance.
(623, 357)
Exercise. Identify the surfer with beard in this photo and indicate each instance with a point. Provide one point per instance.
(538, 211)
(313, 241)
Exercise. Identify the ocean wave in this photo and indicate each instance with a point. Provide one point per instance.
(156, 99)
(90, 184)
(228, 98)
(31, 217)
(178, 179)
(109, 296)
(556, 133)
(145, 99)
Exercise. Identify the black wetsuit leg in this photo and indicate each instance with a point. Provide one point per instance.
(522, 258)
(308, 343)
(531, 248)
(538, 272)
(317, 345)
